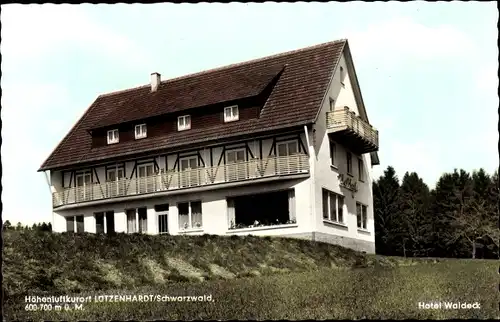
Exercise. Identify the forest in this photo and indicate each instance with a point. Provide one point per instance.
(458, 218)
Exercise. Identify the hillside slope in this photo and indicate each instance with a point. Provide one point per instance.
(54, 262)
(298, 279)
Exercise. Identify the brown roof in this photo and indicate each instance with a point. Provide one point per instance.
(295, 100)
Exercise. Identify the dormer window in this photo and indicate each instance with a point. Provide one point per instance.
(183, 122)
(231, 113)
(140, 131)
(113, 136)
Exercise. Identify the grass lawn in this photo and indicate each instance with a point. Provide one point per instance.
(253, 278)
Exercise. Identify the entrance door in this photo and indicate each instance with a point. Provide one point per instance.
(116, 182)
(83, 186)
(235, 165)
(146, 178)
(287, 157)
(189, 172)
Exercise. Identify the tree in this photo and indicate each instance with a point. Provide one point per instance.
(451, 189)
(385, 203)
(414, 231)
(7, 225)
(466, 213)
(45, 227)
(474, 222)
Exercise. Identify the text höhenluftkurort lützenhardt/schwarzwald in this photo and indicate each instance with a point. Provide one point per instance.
(448, 305)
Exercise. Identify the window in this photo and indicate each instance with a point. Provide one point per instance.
(115, 183)
(110, 222)
(190, 216)
(142, 214)
(99, 223)
(349, 162)
(231, 113)
(236, 168)
(361, 172)
(333, 205)
(83, 189)
(131, 221)
(146, 179)
(113, 136)
(79, 224)
(104, 222)
(333, 153)
(162, 212)
(332, 104)
(140, 131)
(189, 175)
(137, 220)
(184, 122)
(342, 75)
(361, 215)
(70, 224)
(262, 209)
(285, 163)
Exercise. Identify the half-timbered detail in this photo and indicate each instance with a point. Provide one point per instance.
(275, 146)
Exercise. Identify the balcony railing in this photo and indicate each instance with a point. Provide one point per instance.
(174, 180)
(345, 120)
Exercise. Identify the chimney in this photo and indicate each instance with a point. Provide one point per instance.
(155, 81)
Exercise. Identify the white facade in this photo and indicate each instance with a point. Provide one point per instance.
(307, 204)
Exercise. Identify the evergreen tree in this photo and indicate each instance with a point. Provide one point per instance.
(7, 225)
(386, 208)
(415, 226)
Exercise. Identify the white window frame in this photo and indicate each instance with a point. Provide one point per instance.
(143, 131)
(162, 217)
(115, 137)
(336, 197)
(190, 215)
(136, 221)
(228, 151)
(185, 126)
(364, 216)
(286, 143)
(361, 170)
(234, 116)
(75, 223)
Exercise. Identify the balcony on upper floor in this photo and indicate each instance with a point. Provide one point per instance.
(255, 170)
(351, 131)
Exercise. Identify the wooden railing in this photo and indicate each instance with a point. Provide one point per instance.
(173, 180)
(340, 120)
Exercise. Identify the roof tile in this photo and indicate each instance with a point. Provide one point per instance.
(294, 100)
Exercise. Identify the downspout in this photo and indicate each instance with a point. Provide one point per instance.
(312, 201)
(48, 182)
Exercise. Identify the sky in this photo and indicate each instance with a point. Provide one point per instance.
(427, 72)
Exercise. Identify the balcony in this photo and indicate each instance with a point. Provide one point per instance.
(351, 131)
(255, 169)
